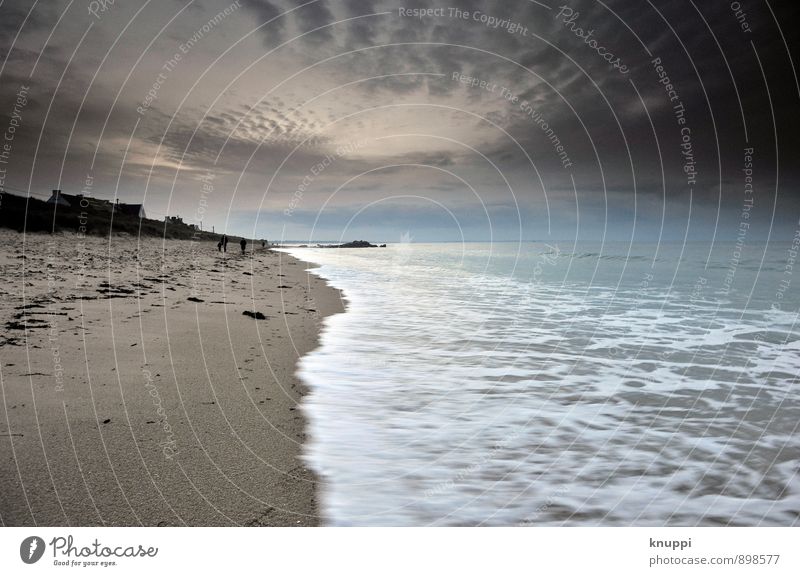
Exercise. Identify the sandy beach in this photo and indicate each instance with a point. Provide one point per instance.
(135, 391)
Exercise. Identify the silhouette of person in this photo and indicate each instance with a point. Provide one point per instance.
(243, 244)
(224, 243)
(219, 245)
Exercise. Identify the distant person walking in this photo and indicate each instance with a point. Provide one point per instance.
(224, 243)
(243, 244)
(219, 245)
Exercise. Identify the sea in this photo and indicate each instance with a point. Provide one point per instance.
(549, 384)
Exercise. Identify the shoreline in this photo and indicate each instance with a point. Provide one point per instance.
(136, 392)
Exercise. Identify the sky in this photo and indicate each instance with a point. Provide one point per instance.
(440, 121)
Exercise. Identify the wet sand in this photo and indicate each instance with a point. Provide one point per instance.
(135, 391)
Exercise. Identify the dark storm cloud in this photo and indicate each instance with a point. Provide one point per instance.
(708, 93)
(18, 20)
(268, 15)
(313, 20)
(402, 69)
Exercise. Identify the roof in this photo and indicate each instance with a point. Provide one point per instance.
(64, 199)
(130, 209)
(61, 199)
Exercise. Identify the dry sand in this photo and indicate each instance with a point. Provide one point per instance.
(126, 403)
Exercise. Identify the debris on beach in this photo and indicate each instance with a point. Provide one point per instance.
(256, 315)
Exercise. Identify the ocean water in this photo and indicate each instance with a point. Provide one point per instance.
(536, 384)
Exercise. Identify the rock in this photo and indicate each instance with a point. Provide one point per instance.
(353, 244)
(256, 315)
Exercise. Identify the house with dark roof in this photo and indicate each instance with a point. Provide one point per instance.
(59, 199)
(78, 201)
(136, 210)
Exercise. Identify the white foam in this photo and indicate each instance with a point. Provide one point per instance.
(459, 390)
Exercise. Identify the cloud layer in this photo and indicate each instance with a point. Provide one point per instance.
(553, 119)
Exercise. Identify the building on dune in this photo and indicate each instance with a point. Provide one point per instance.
(59, 198)
(136, 210)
